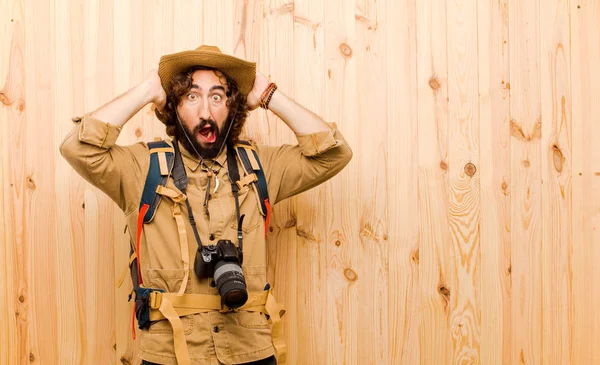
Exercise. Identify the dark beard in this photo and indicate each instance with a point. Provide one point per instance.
(205, 153)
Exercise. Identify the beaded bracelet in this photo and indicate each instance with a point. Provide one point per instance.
(267, 95)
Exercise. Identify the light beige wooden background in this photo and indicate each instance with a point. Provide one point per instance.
(466, 229)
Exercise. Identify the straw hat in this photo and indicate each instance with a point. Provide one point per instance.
(241, 71)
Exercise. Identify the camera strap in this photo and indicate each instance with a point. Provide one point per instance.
(181, 182)
(234, 176)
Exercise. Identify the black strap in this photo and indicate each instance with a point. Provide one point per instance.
(261, 182)
(234, 177)
(181, 182)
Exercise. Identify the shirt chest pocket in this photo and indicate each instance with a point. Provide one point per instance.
(249, 206)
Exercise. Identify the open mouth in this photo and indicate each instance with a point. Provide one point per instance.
(207, 134)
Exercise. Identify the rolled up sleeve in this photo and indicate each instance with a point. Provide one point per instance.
(293, 169)
(90, 148)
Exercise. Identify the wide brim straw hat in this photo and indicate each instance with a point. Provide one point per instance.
(241, 71)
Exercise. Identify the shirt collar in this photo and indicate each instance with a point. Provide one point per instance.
(192, 162)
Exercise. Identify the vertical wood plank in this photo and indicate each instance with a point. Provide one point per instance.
(464, 200)
(14, 285)
(342, 256)
(247, 23)
(187, 25)
(217, 24)
(39, 213)
(69, 55)
(585, 56)
(402, 161)
(435, 265)
(494, 172)
(276, 60)
(372, 240)
(99, 209)
(157, 40)
(525, 125)
(128, 71)
(309, 91)
(555, 87)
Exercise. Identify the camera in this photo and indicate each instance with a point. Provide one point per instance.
(223, 262)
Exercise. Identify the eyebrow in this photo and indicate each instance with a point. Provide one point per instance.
(215, 87)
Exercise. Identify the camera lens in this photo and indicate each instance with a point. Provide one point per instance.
(231, 284)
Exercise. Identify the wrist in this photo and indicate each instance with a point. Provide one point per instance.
(267, 95)
(148, 92)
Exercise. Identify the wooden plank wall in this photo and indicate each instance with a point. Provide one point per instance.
(466, 229)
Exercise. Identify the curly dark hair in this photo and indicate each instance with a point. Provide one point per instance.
(182, 83)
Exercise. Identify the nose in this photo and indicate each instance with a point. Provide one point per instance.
(204, 112)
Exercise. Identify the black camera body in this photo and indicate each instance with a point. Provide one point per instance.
(223, 262)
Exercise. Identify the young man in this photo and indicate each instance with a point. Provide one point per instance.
(200, 297)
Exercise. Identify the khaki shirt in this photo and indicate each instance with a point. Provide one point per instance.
(120, 172)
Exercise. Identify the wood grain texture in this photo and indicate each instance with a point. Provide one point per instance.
(15, 301)
(556, 146)
(585, 172)
(464, 199)
(495, 196)
(434, 255)
(311, 206)
(371, 241)
(526, 200)
(463, 231)
(342, 259)
(403, 236)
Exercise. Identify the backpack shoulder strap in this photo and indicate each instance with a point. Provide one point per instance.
(252, 165)
(249, 158)
(161, 166)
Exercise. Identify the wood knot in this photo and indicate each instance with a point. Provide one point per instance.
(505, 188)
(385, 237)
(291, 223)
(415, 256)
(434, 83)
(558, 158)
(338, 243)
(526, 163)
(30, 183)
(346, 50)
(124, 361)
(138, 132)
(509, 270)
(470, 169)
(21, 299)
(31, 357)
(271, 229)
(516, 131)
(4, 99)
(507, 86)
(443, 165)
(444, 291)
(350, 274)
(83, 205)
(329, 73)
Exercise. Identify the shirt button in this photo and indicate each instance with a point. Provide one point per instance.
(212, 237)
(216, 329)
